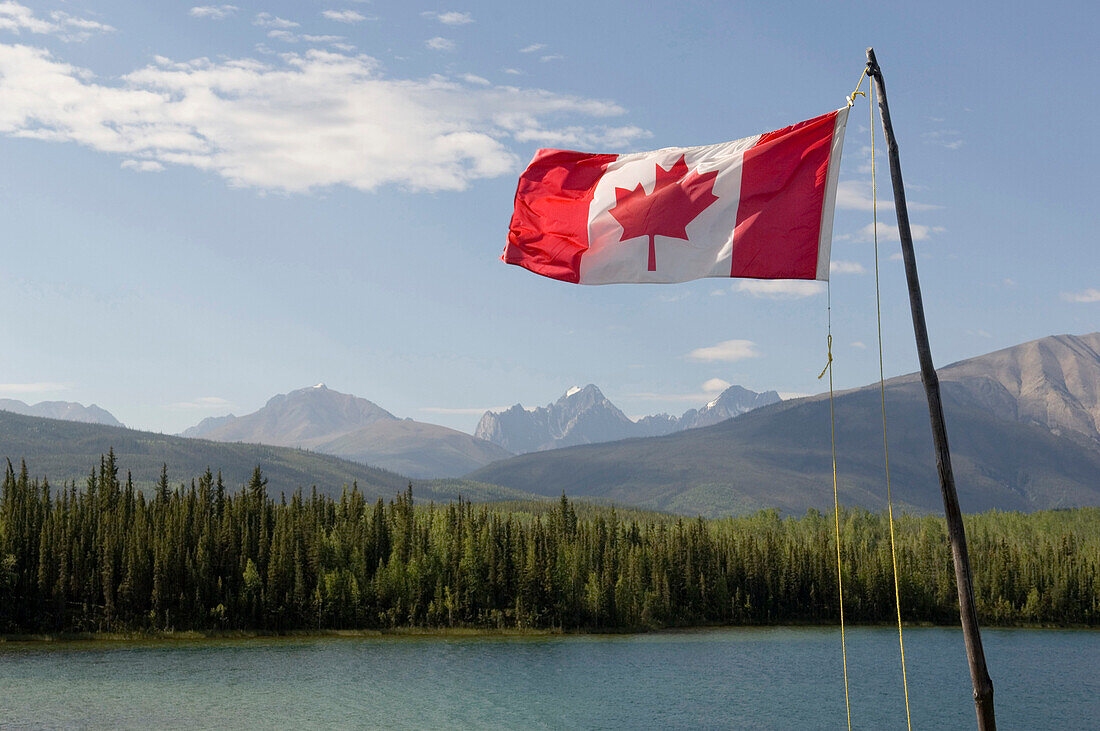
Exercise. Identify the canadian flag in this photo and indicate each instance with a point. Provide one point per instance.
(759, 207)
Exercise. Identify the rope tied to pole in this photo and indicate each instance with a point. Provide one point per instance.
(885, 442)
(857, 92)
(829, 364)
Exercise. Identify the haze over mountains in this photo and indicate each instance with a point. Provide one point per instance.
(353, 428)
(586, 416)
(343, 425)
(66, 451)
(66, 410)
(1022, 423)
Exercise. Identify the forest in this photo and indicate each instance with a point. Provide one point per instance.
(105, 557)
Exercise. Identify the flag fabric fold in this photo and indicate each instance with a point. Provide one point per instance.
(759, 207)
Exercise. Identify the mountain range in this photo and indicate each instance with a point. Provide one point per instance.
(586, 416)
(1023, 422)
(67, 410)
(347, 426)
(330, 422)
(1023, 425)
(339, 424)
(65, 451)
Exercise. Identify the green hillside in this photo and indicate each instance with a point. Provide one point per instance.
(205, 559)
(65, 450)
(779, 456)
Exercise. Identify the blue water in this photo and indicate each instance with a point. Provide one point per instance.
(728, 678)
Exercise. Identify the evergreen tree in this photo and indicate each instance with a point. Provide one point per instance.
(103, 558)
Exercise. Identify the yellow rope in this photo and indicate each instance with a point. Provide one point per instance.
(852, 96)
(836, 507)
(832, 435)
(885, 444)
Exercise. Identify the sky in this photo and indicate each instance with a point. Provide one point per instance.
(202, 206)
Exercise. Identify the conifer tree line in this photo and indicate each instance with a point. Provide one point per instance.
(109, 558)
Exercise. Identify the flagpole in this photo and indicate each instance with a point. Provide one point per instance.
(983, 686)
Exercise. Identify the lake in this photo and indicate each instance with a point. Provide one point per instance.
(713, 678)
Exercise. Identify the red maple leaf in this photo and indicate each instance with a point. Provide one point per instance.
(676, 200)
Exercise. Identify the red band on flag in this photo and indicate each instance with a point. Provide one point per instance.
(760, 206)
(782, 191)
(549, 229)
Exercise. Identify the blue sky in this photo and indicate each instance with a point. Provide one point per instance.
(206, 205)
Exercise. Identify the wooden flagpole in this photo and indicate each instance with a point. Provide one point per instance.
(983, 686)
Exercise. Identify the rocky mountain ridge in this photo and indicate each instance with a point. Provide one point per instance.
(586, 416)
(64, 410)
(327, 421)
(1021, 423)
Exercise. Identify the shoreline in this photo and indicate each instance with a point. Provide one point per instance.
(183, 636)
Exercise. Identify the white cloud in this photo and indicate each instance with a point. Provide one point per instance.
(551, 57)
(267, 20)
(475, 79)
(534, 47)
(17, 18)
(78, 29)
(859, 344)
(579, 136)
(1008, 282)
(289, 37)
(143, 166)
(305, 121)
(213, 12)
(39, 387)
(202, 403)
(344, 16)
(779, 288)
(513, 72)
(979, 333)
(949, 138)
(452, 17)
(283, 35)
(846, 267)
(715, 385)
(1087, 295)
(855, 195)
(888, 232)
(440, 44)
(727, 351)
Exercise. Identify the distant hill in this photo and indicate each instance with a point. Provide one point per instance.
(1020, 421)
(414, 448)
(65, 451)
(66, 410)
(356, 429)
(1053, 382)
(586, 416)
(295, 418)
